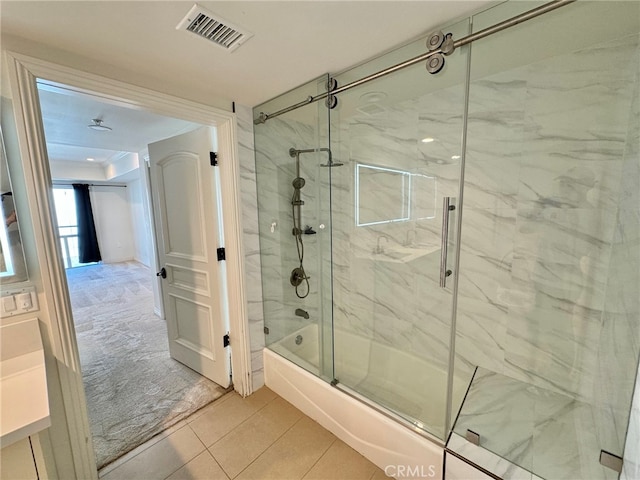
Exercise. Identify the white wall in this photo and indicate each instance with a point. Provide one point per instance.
(63, 170)
(123, 165)
(114, 226)
(54, 446)
(70, 170)
(52, 462)
(141, 229)
(147, 208)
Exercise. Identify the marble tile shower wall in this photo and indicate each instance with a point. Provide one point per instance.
(547, 144)
(549, 277)
(394, 303)
(275, 172)
(250, 240)
(549, 254)
(619, 340)
(631, 465)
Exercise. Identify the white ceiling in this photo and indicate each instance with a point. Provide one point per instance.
(293, 42)
(66, 115)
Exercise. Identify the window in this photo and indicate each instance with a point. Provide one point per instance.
(65, 204)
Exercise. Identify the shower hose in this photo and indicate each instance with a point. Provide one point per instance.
(297, 232)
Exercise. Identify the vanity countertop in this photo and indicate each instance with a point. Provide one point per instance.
(24, 400)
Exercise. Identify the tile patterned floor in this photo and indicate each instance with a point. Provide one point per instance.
(258, 437)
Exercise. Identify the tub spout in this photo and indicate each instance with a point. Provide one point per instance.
(302, 313)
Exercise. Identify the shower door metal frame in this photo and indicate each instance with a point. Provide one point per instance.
(332, 92)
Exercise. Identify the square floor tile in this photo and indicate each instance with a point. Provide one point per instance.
(141, 448)
(161, 459)
(203, 467)
(220, 418)
(211, 406)
(293, 454)
(341, 462)
(380, 475)
(238, 449)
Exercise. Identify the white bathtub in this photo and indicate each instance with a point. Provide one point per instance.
(377, 434)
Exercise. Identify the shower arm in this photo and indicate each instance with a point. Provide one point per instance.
(296, 153)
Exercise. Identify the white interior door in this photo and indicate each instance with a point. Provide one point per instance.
(186, 214)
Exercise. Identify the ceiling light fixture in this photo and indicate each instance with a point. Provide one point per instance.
(98, 126)
(89, 159)
(428, 140)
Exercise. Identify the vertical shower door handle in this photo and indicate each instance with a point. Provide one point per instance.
(446, 208)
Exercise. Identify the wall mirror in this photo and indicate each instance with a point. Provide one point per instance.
(12, 264)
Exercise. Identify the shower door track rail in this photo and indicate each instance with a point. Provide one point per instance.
(498, 27)
(388, 413)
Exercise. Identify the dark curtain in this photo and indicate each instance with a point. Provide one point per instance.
(87, 238)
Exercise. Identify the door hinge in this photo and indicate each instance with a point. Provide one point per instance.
(225, 341)
(213, 157)
(221, 254)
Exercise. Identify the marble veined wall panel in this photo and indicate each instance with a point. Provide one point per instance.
(280, 253)
(250, 240)
(618, 345)
(546, 149)
(379, 293)
(631, 465)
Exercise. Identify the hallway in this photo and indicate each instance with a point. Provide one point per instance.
(134, 389)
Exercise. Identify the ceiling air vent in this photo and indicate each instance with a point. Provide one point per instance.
(214, 28)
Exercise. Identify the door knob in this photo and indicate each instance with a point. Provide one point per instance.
(162, 273)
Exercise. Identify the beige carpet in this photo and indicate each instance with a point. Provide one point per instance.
(134, 389)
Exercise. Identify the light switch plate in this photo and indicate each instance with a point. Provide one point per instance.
(8, 303)
(18, 301)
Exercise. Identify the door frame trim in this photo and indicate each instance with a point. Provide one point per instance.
(23, 71)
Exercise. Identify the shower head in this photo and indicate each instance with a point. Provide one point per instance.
(298, 183)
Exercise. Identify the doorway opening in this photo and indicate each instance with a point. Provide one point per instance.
(133, 386)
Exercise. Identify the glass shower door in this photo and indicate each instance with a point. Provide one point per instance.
(549, 279)
(295, 225)
(399, 140)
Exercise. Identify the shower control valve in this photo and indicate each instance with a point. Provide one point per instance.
(298, 275)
